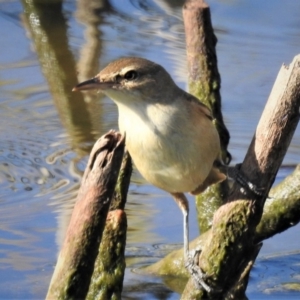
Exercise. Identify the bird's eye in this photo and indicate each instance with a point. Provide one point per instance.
(131, 75)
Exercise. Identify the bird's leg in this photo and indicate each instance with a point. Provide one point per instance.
(183, 204)
(190, 258)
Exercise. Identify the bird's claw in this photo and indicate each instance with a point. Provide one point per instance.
(195, 271)
(236, 174)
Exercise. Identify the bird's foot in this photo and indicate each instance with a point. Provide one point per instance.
(236, 174)
(191, 264)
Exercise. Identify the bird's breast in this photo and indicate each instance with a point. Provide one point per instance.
(165, 147)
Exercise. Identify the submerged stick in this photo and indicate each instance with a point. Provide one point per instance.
(76, 260)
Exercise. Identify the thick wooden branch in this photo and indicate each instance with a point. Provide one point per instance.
(76, 260)
(109, 269)
(205, 83)
(282, 209)
(274, 131)
(204, 78)
(233, 230)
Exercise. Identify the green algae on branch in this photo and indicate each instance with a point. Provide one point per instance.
(109, 269)
(203, 74)
(122, 186)
(108, 275)
(205, 83)
(282, 208)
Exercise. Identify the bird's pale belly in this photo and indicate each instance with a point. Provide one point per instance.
(166, 148)
(169, 166)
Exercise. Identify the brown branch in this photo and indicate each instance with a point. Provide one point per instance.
(76, 260)
(204, 77)
(108, 275)
(233, 229)
(274, 131)
(282, 209)
(205, 83)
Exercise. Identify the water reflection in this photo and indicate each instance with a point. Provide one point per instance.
(58, 66)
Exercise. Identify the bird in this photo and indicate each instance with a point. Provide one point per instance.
(170, 134)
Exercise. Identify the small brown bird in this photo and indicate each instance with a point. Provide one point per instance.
(169, 133)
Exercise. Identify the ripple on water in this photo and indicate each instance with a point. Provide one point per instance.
(32, 166)
(34, 176)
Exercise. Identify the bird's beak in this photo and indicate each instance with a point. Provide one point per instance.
(92, 84)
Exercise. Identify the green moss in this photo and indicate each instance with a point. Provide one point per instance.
(107, 278)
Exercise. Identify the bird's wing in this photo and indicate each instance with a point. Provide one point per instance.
(213, 177)
(199, 106)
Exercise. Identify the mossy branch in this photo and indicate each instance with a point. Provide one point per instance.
(205, 83)
(232, 238)
(281, 211)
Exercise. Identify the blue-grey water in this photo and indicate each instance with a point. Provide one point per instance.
(47, 131)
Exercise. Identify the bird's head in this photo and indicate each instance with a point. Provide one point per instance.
(130, 78)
